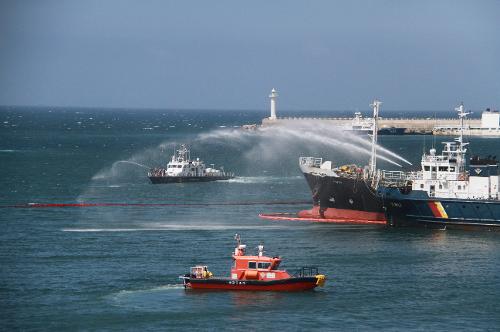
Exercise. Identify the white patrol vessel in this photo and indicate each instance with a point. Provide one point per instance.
(182, 169)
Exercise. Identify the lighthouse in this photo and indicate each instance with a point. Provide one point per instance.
(273, 96)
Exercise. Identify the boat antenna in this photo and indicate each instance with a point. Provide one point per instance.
(433, 136)
(462, 114)
(237, 237)
(373, 160)
(425, 145)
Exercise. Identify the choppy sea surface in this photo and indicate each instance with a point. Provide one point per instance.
(117, 267)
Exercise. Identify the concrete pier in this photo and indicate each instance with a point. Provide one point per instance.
(411, 125)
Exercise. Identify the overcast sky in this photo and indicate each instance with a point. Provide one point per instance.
(319, 55)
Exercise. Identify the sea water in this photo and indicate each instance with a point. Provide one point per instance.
(117, 267)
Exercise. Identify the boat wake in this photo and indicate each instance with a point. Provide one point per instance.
(262, 179)
(150, 299)
(166, 287)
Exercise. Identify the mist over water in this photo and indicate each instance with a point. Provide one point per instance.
(260, 149)
(265, 157)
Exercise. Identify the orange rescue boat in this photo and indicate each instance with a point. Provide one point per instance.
(254, 273)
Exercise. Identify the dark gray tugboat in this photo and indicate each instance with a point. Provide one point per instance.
(446, 192)
(182, 169)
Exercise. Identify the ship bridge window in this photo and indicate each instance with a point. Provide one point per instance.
(443, 168)
(433, 168)
(452, 169)
(263, 265)
(421, 186)
(252, 265)
(427, 168)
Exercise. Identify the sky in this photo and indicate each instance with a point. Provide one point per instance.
(229, 54)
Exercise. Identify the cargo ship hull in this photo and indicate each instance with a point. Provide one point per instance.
(337, 197)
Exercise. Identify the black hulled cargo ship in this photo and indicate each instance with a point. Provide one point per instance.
(181, 168)
(344, 192)
(447, 192)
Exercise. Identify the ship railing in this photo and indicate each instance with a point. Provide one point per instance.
(396, 177)
(305, 271)
(311, 161)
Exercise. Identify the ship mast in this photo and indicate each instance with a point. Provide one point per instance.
(462, 114)
(373, 160)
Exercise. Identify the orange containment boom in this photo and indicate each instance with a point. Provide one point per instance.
(294, 217)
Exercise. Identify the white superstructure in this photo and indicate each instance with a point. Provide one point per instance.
(360, 124)
(181, 165)
(446, 175)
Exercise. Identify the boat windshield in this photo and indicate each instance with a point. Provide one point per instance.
(263, 265)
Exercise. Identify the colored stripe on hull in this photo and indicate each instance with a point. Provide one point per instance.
(438, 210)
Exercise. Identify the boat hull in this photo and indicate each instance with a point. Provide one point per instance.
(186, 179)
(283, 285)
(342, 198)
(392, 131)
(417, 209)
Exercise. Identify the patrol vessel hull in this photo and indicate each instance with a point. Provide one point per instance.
(418, 209)
(183, 179)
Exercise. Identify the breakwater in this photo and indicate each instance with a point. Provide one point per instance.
(410, 125)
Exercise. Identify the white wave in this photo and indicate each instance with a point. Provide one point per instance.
(154, 289)
(7, 151)
(136, 295)
(262, 179)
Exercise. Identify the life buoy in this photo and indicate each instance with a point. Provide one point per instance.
(461, 176)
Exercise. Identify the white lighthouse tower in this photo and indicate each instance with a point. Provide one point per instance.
(273, 96)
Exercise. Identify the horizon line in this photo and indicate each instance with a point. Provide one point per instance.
(124, 108)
